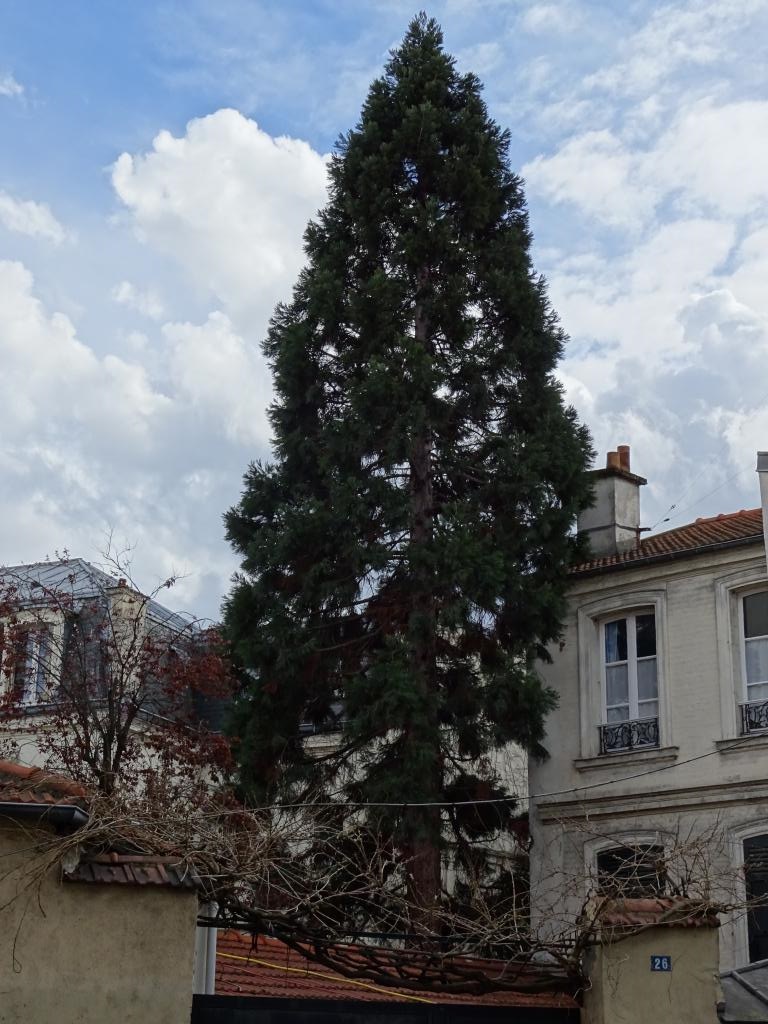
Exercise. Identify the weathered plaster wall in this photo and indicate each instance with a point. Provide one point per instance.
(624, 990)
(102, 954)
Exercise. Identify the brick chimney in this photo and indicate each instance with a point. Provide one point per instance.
(612, 524)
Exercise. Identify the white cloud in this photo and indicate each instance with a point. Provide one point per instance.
(667, 309)
(549, 17)
(9, 86)
(711, 159)
(25, 217)
(220, 375)
(482, 57)
(228, 203)
(748, 279)
(49, 375)
(714, 157)
(675, 37)
(92, 443)
(147, 302)
(597, 173)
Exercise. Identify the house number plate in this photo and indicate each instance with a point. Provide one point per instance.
(661, 963)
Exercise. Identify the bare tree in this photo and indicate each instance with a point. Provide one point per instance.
(328, 884)
(102, 682)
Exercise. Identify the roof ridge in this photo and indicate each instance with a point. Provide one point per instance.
(703, 520)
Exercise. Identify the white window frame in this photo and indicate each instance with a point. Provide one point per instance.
(736, 922)
(743, 641)
(590, 617)
(631, 663)
(40, 619)
(730, 590)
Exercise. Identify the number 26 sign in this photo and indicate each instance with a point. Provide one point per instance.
(661, 963)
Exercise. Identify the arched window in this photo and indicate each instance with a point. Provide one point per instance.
(631, 871)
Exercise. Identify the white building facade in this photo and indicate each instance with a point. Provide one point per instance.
(660, 739)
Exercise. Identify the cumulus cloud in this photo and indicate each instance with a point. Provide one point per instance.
(49, 374)
(228, 203)
(221, 376)
(91, 443)
(711, 158)
(596, 173)
(147, 301)
(9, 86)
(659, 180)
(25, 217)
(152, 439)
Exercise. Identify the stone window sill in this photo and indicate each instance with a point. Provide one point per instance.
(627, 758)
(752, 741)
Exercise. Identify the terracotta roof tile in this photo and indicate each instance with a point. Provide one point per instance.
(657, 912)
(133, 869)
(22, 784)
(745, 527)
(266, 967)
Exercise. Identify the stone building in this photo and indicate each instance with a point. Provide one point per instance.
(661, 734)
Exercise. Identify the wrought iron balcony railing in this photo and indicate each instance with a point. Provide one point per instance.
(754, 716)
(643, 732)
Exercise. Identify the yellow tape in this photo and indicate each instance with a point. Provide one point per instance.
(328, 977)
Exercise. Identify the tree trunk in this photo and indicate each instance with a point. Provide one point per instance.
(423, 824)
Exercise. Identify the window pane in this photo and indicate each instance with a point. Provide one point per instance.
(756, 877)
(757, 692)
(616, 684)
(756, 614)
(620, 714)
(757, 660)
(631, 871)
(42, 665)
(647, 684)
(646, 635)
(616, 641)
(648, 709)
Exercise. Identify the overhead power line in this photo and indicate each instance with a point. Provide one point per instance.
(405, 805)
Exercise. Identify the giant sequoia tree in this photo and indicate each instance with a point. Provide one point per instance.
(403, 555)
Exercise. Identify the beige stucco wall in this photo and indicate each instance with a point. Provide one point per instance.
(91, 954)
(581, 801)
(624, 990)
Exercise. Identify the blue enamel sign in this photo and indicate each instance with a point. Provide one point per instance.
(661, 963)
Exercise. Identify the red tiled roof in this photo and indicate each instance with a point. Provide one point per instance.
(266, 967)
(745, 527)
(659, 912)
(20, 784)
(133, 869)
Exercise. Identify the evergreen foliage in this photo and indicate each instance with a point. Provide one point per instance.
(404, 554)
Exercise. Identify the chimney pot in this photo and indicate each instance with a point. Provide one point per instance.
(613, 461)
(122, 582)
(623, 450)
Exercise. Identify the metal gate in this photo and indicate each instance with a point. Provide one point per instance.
(253, 1010)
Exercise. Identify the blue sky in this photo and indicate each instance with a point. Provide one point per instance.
(160, 160)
